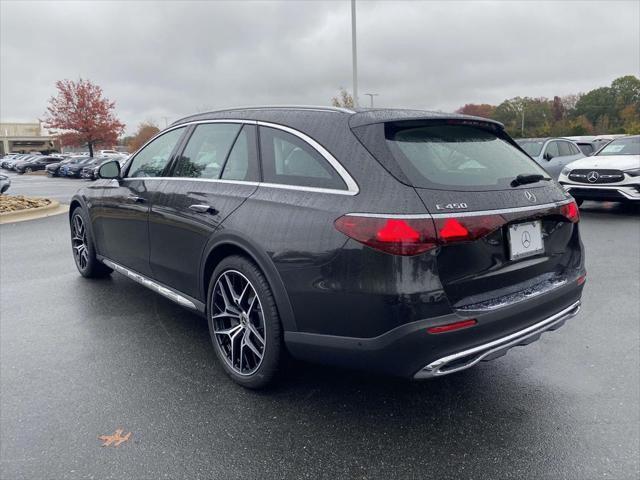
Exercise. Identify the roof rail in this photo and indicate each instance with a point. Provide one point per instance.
(289, 107)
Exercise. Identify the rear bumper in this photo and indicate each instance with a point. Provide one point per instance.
(409, 351)
(496, 348)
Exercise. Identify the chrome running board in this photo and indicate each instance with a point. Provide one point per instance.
(150, 284)
(468, 358)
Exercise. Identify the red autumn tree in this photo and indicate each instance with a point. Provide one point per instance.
(146, 131)
(479, 110)
(83, 115)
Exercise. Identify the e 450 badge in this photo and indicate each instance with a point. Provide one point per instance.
(451, 206)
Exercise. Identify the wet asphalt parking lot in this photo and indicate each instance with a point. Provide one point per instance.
(81, 358)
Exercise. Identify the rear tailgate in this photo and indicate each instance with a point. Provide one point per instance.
(496, 268)
(499, 238)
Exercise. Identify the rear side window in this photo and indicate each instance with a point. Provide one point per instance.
(242, 163)
(207, 150)
(289, 160)
(456, 156)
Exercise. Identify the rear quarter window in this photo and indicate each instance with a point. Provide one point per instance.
(454, 156)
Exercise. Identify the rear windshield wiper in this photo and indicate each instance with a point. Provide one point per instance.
(523, 179)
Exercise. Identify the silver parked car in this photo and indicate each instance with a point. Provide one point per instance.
(552, 154)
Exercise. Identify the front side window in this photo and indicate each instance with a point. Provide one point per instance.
(207, 150)
(552, 150)
(153, 158)
(289, 160)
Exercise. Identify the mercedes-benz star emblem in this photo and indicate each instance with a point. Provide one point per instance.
(530, 196)
(526, 239)
(593, 177)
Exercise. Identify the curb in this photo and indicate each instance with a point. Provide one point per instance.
(54, 208)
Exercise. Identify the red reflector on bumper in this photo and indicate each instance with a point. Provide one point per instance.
(452, 326)
(582, 279)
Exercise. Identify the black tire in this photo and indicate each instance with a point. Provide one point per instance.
(28, 170)
(579, 201)
(269, 365)
(85, 257)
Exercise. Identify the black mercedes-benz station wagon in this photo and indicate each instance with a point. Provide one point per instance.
(406, 242)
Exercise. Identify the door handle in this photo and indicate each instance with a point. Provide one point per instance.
(136, 199)
(203, 209)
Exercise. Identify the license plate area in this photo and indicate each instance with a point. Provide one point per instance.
(525, 240)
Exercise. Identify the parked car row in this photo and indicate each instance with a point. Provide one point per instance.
(75, 166)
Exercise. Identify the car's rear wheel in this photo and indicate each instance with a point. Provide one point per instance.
(244, 323)
(84, 253)
(28, 170)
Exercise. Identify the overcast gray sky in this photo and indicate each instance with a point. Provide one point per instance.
(169, 58)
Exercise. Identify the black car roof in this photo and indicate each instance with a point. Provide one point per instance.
(356, 116)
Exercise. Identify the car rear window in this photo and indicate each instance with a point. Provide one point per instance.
(456, 156)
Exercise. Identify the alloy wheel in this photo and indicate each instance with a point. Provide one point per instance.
(79, 242)
(238, 322)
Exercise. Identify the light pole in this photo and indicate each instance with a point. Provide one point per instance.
(354, 53)
(371, 95)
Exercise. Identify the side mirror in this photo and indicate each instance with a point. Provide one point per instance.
(110, 170)
(548, 156)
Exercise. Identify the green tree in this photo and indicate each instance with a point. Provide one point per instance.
(596, 103)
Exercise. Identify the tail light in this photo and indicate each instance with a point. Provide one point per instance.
(412, 236)
(464, 229)
(398, 236)
(416, 234)
(571, 211)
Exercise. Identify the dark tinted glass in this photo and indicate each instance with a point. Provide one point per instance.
(152, 159)
(207, 150)
(450, 156)
(288, 160)
(242, 163)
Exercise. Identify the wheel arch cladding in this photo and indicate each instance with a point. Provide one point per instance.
(222, 247)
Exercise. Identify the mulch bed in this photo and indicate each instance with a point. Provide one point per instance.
(12, 203)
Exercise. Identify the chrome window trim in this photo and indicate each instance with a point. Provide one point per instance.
(352, 186)
(462, 214)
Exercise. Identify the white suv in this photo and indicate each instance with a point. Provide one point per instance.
(613, 173)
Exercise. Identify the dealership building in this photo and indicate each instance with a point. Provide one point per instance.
(24, 138)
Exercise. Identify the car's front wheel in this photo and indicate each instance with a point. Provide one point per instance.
(244, 323)
(84, 252)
